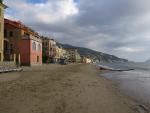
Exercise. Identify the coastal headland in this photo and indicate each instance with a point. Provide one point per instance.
(74, 88)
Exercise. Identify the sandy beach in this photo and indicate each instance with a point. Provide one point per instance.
(75, 88)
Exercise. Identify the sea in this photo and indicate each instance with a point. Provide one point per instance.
(134, 83)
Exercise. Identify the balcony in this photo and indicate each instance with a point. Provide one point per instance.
(26, 37)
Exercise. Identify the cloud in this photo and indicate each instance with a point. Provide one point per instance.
(119, 27)
(128, 49)
(51, 11)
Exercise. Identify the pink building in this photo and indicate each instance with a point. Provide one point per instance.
(23, 43)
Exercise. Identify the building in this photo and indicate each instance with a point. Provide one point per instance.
(61, 53)
(87, 60)
(74, 56)
(49, 50)
(22, 44)
(65, 54)
(2, 7)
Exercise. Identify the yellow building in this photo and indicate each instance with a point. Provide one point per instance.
(60, 52)
(2, 7)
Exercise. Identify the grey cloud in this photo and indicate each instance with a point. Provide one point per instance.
(104, 25)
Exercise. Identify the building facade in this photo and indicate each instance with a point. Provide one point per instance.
(2, 7)
(74, 56)
(87, 60)
(61, 54)
(22, 44)
(49, 50)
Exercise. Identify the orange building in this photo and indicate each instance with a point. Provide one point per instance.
(21, 44)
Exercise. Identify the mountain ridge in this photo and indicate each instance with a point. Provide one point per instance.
(95, 55)
(147, 61)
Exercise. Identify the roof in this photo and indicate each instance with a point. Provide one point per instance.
(19, 25)
(47, 38)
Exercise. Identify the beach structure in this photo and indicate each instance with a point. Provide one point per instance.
(74, 56)
(49, 50)
(21, 44)
(2, 7)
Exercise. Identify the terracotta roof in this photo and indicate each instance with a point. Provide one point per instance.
(19, 25)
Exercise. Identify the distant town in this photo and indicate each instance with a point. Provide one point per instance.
(26, 47)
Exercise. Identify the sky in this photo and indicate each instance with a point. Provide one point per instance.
(117, 27)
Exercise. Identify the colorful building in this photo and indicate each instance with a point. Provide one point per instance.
(87, 60)
(61, 53)
(74, 56)
(49, 50)
(2, 7)
(22, 44)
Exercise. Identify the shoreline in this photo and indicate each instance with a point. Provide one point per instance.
(139, 104)
(75, 88)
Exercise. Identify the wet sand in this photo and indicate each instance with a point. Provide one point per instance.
(75, 88)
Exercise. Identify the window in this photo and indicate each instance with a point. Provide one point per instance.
(5, 33)
(37, 58)
(34, 46)
(26, 35)
(11, 48)
(11, 34)
(51, 49)
(39, 47)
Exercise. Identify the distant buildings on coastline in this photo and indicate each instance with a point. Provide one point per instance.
(24, 46)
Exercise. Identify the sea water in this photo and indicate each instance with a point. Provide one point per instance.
(135, 83)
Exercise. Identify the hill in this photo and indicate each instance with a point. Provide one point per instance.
(147, 61)
(95, 55)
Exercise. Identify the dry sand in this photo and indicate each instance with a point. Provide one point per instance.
(61, 89)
